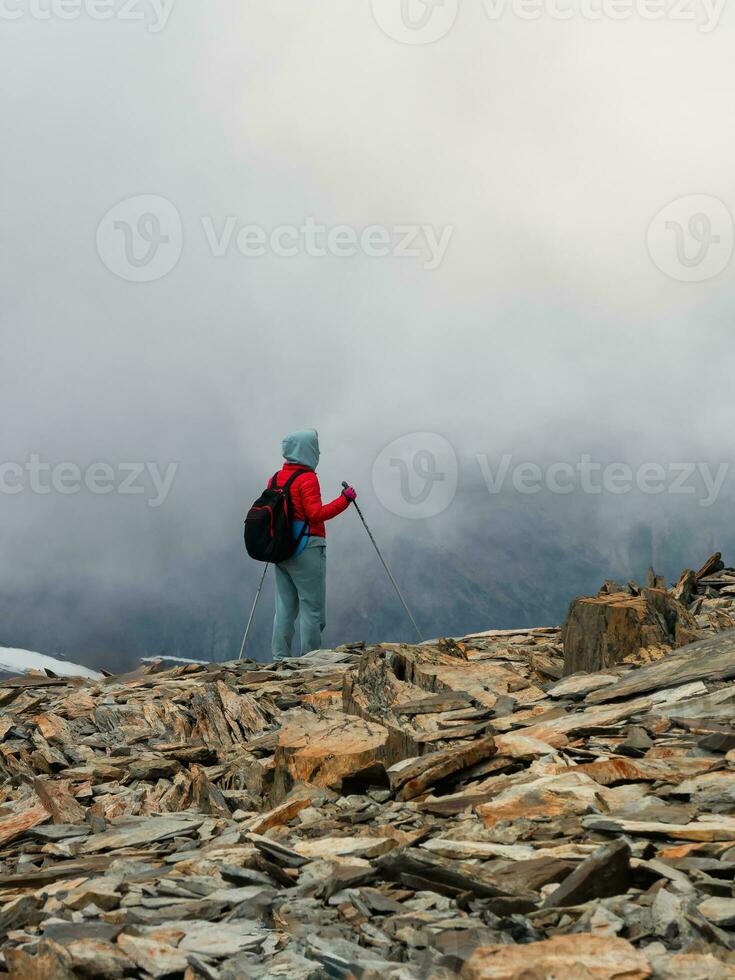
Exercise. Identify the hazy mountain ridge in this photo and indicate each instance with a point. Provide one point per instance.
(512, 571)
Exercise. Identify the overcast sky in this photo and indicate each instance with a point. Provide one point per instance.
(529, 156)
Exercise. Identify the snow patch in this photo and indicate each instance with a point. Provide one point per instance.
(17, 662)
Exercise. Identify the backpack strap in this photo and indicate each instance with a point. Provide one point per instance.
(286, 490)
(304, 531)
(294, 476)
(273, 482)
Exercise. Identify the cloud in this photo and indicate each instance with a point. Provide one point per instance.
(546, 330)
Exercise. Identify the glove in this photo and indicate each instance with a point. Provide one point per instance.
(350, 494)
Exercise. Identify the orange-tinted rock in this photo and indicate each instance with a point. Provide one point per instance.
(548, 796)
(603, 630)
(578, 957)
(325, 751)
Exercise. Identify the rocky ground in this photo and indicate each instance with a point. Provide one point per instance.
(481, 807)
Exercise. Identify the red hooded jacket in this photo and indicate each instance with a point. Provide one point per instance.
(306, 499)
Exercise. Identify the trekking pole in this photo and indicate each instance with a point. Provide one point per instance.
(252, 612)
(393, 581)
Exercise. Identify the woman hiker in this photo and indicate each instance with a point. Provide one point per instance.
(301, 580)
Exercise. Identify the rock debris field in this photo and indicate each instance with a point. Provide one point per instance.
(515, 805)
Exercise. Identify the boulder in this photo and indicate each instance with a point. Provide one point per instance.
(601, 631)
(331, 750)
(713, 565)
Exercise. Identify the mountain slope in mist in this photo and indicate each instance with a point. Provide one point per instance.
(514, 571)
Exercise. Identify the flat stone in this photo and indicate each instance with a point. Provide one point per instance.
(578, 957)
(720, 911)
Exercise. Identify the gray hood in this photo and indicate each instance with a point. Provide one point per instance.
(302, 448)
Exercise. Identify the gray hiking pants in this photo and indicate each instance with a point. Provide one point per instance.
(301, 591)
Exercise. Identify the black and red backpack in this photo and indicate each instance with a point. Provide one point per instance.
(269, 524)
